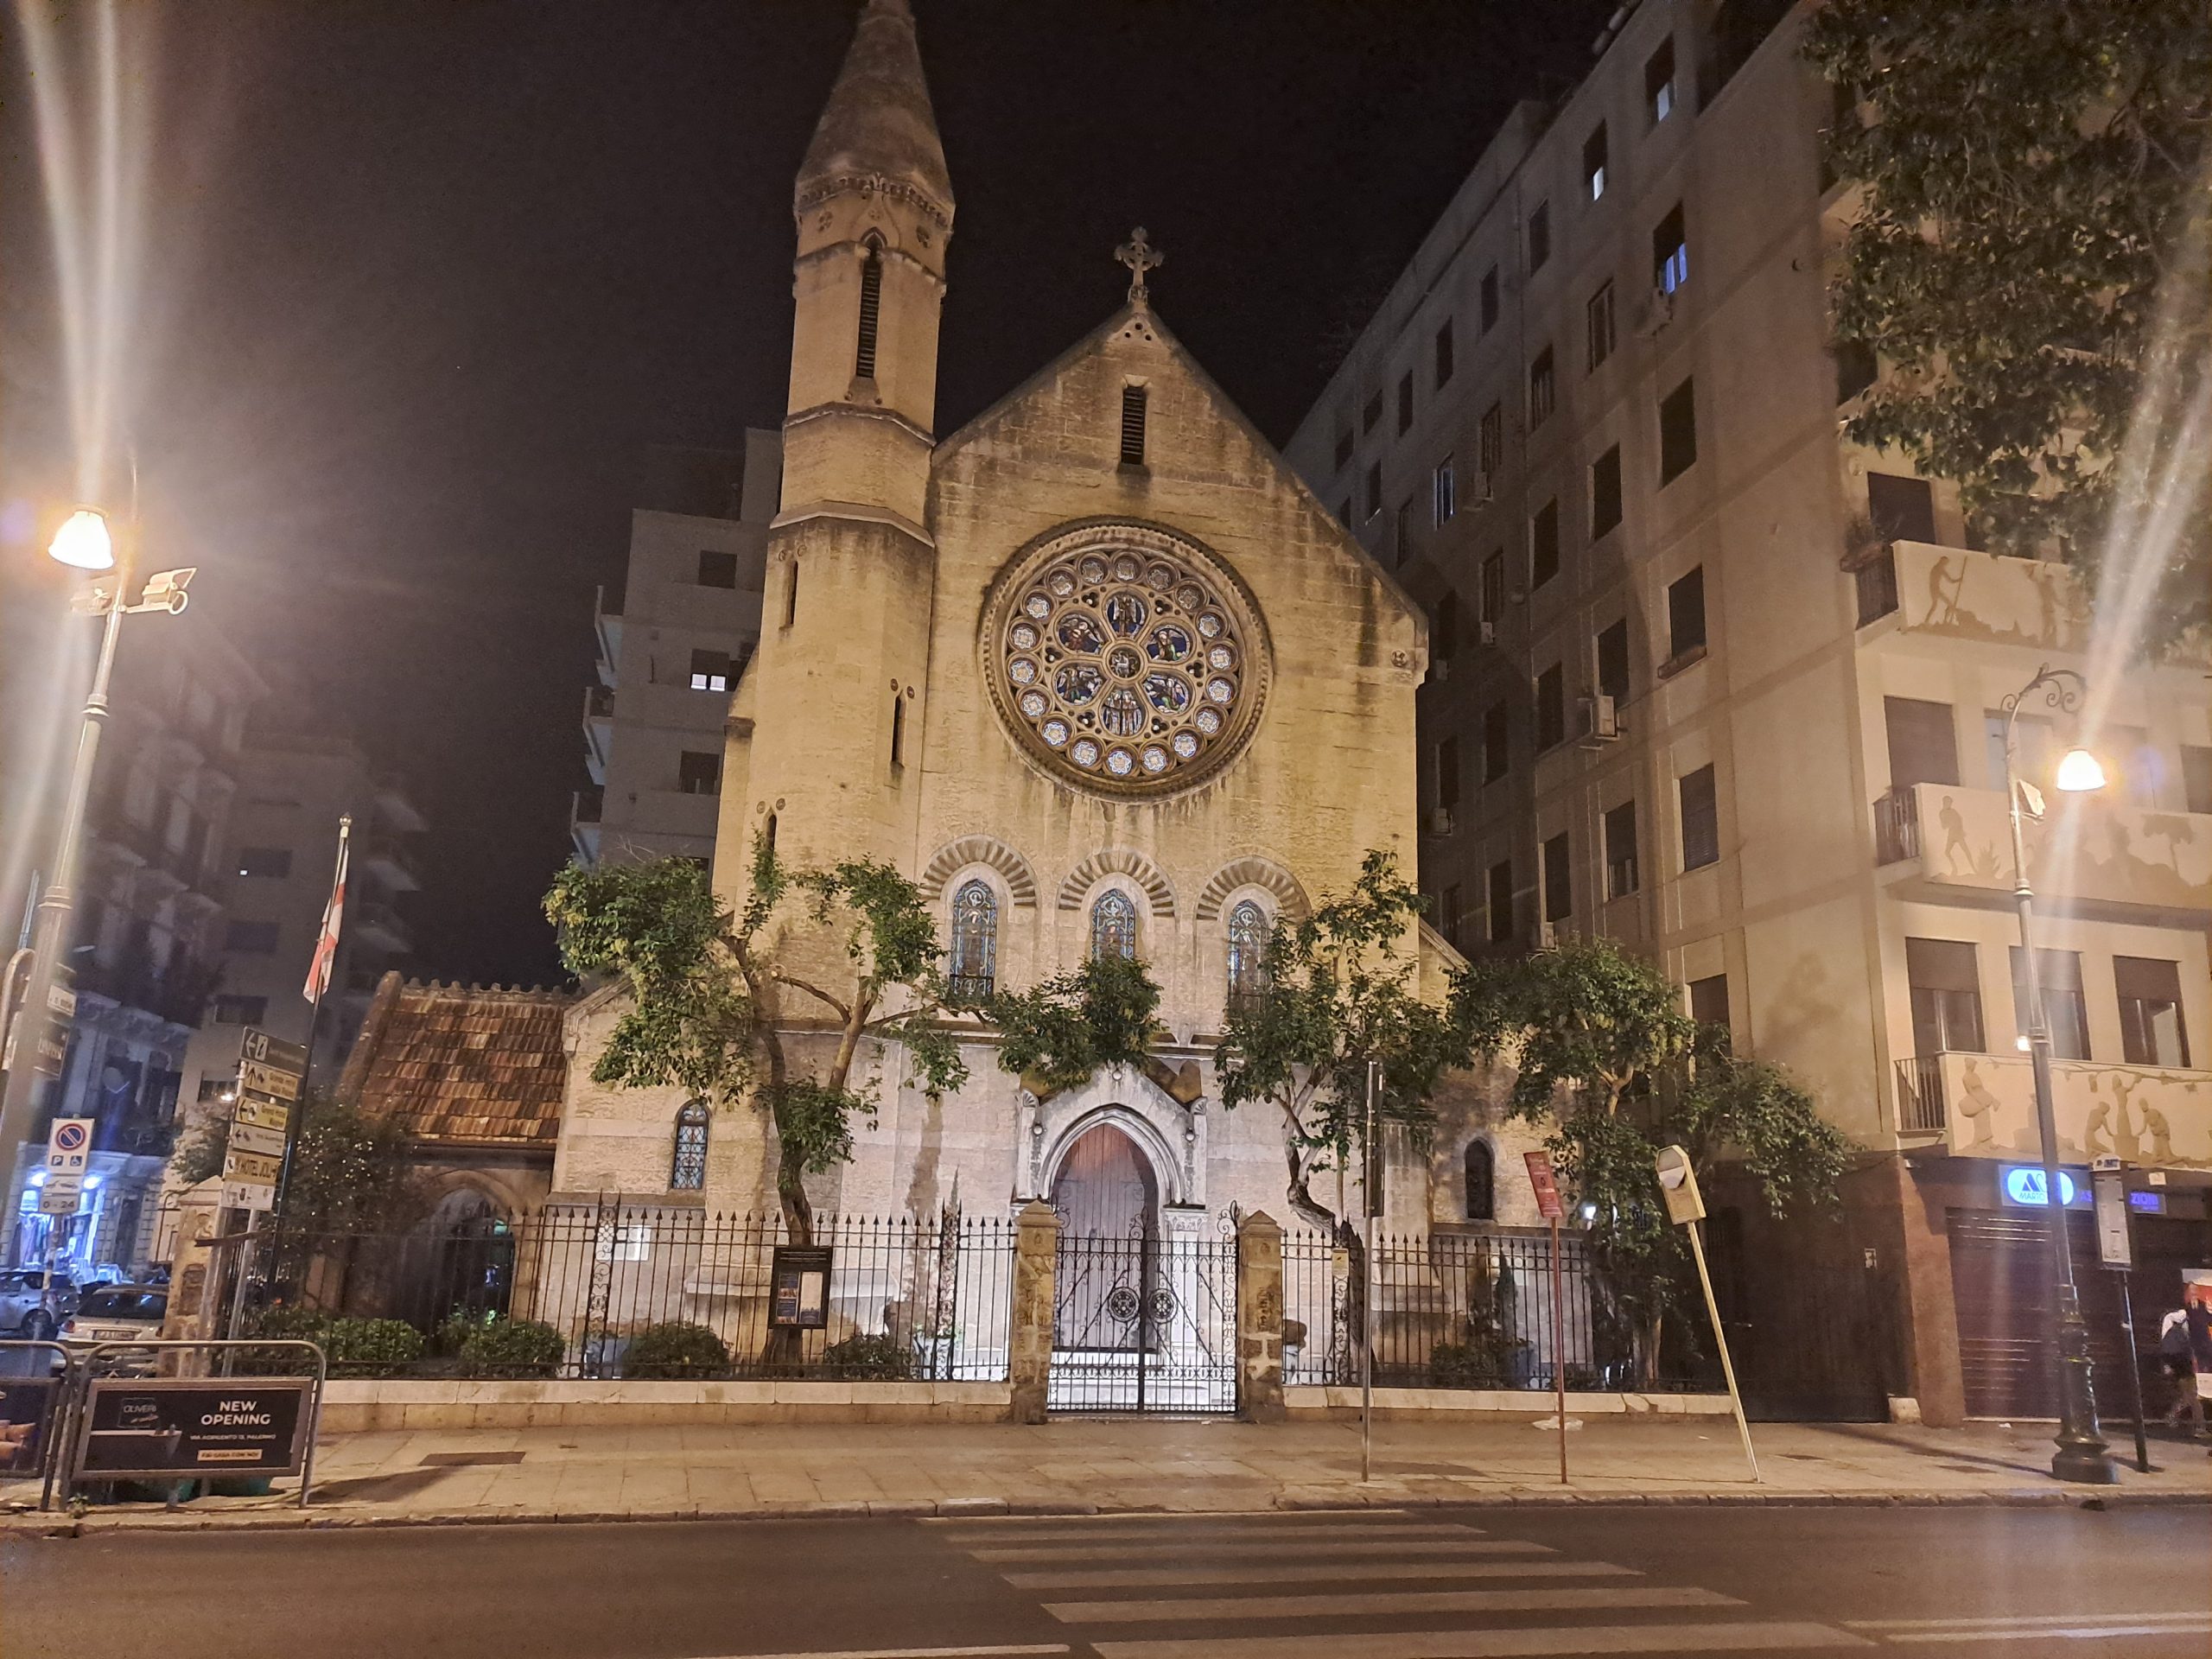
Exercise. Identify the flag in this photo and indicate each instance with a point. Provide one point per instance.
(326, 944)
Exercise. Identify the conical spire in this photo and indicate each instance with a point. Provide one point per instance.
(878, 122)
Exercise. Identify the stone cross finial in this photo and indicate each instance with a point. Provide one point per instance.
(1139, 256)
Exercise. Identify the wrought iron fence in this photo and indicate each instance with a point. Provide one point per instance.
(592, 1290)
(1459, 1311)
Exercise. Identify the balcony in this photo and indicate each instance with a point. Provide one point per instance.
(1951, 844)
(598, 730)
(607, 629)
(388, 861)
(1957, 593)
(1984, 1106)
(378, 925)
(179, 995)
(584, 807)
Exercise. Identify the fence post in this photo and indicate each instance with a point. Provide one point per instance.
(1259, 1319)
(1029, 1333)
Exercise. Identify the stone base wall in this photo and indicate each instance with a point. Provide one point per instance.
(1309, 1399)
(362, 1407)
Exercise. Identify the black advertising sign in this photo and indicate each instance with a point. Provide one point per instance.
(238, 1426)
(800, 1294)
(25, 1402)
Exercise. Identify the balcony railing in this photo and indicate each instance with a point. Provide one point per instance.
(1896, 825)
(585, 806)
(1920, 1096)
(1876, 580)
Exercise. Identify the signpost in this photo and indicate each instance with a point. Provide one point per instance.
(69, 1153)
(270, 1072)
(1546, 1185)
(2116, 1250)
(1685, 1208)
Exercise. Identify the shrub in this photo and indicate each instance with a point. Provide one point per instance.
(292, 1324)
(370, 1347)
(504, 1347)
(676, 1348)
(866, 1358)
(1464, 1365)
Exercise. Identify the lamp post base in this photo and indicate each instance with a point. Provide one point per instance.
(2086, 1467)
(2083, 1456)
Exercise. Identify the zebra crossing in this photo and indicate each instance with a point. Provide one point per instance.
(1288, 1586)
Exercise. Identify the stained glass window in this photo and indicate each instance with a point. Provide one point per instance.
(1248, 945)
(975, 941)
(687, 1170)
(1114, 925)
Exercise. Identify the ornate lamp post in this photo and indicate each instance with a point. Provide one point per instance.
(2081, 1455)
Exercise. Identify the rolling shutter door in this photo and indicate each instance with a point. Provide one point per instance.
(2000, 1284)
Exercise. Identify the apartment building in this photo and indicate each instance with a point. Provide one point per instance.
(690, 618)
(1711, 681)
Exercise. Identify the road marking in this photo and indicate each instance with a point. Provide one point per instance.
(1270, 1550)
(1500, 1644)
(1154, 1578)
(1199, 1536)
(1358, 1603)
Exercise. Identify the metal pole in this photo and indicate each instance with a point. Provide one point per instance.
(1367, 1281)
(1558, 1348)
(2081, 1453)
(1720, 1340)
(292, 1122)
(2134, 1371)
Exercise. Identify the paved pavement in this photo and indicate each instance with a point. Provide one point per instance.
(1109, 1466)
(1404, 1583)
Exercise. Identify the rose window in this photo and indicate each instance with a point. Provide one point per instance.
(1126, 657)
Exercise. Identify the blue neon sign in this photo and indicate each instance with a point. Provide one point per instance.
(2023, 1186)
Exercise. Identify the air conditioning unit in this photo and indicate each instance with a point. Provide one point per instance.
(1601, 721)
(1658, 312)
(1439, 820)
(1487, 633)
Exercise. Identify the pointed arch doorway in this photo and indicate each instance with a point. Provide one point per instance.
(1144, 1315)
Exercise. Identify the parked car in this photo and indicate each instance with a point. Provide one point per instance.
(25, 1310)
(118, 1313)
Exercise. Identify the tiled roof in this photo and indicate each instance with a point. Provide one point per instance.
(460, 1065)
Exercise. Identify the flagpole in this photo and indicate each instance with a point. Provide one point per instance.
(320, 970)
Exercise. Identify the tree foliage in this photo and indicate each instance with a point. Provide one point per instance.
(351, 1172)
(1058, 1034)
(1339, 988)
(2030, 262)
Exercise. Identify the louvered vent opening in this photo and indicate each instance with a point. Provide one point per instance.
(871, 308)
(1133, 426)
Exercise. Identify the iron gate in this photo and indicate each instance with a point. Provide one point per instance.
(1145, 1324)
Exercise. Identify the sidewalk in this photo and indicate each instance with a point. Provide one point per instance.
(781, 1471)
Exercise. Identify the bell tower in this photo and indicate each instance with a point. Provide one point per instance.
(826, 732)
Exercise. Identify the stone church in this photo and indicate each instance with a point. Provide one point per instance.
(1098, 672)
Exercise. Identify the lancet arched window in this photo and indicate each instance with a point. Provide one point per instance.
(687, 1167)
(1482, 1181)
(1114, 925)
(1248, 946)
(975, 941)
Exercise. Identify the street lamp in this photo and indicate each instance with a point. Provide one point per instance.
(2081, 1455)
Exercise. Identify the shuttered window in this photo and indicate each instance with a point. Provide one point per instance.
(871, 310)
(1923, 747)
(1133, 401)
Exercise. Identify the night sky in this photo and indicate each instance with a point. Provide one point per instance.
(425, 277)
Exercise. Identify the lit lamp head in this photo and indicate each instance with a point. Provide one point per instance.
(83, 543)
(2079, 771)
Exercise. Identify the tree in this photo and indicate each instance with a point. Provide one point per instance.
(351, 1171)
(2029, 260)
(1603, 1050)
(714, 994)
(1338, 988)
(1058, 1034)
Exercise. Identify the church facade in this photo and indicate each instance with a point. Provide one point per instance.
(1099, 672)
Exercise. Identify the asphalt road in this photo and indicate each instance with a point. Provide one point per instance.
(1424, 1584)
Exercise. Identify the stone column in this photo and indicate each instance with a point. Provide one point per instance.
(1029, 1334)
(1259, 1319)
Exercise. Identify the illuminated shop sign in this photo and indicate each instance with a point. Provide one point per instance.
(2022, 1184)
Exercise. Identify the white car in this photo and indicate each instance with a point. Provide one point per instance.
(118, 1314)
(25, 1310)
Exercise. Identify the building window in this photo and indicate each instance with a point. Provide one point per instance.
(250, 938)
(1543, 544)
(698, 773)
(1543, 388)
(1677, 431)
(1493, 594)
(1447, 773)
(1923, 743)
(710, 671)
(717, 569)
(1371, 411)
(1489, 299)
(1551, 708)
(1133, 403)
(1489, 442)
(1501, 902)
(1612, 662)
(1374, 489)
(274, 862)
(1856, 368)
(1448, 916)
(975, 941)
(1620, 851)
(1248, 955)
(1709, 1001)
(1686, 615)
(1945, 987)
(1559, 878)
(871, 311)
(1406, 401)
(1498, 754)
(1344, 513)
(1593, 161)
(1701, 819)
(241, 1010)
(1606, 493)
(898, 730)
(1482, 1181)
(1671, 252)
(2065, 1010)
(1597, 324)
(1445, 493)
(791, 594)
(1444, 364)
(1343, 449)
(1659, 82)
(1902, 508)
(1539, 236)
(1444, 633)
(2196, 778)
(2150, 1028)
(687, 1165)
(1114, 925)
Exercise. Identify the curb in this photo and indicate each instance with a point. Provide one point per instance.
(56, 1525)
